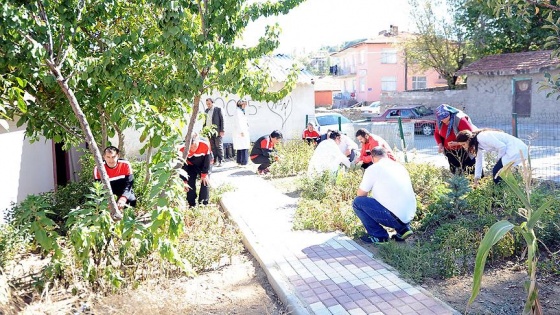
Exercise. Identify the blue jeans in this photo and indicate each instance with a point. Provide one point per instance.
(373, 215)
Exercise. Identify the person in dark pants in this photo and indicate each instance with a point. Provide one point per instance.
(264, 153)
(450, 121)
(197, 164)
(240, 134)
(392, 203)
(215, 118)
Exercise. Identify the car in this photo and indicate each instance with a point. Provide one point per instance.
(423, 124)
(371, 109)
(330, 120)
(423, 110)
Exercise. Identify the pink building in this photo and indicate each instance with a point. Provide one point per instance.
(370, 67)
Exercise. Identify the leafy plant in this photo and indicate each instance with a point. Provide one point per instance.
(294, 158)
(500, 229)
(31, 217)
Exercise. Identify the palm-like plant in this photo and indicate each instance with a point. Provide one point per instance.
(526, 228)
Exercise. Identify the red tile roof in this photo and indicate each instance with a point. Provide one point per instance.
(513, 63)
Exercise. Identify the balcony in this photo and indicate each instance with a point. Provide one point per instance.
(336, 70)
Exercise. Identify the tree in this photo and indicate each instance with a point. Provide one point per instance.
(141, 65)
(496, 32)
(439, 44)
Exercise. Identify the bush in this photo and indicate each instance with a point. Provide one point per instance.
(209, 237)
(295, 156)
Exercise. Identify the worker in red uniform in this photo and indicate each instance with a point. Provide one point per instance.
(311, 135)
(370, 141)
(264, 153)
(120, 176)
(197, 164)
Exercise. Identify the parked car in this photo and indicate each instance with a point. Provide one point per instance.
(329, 120)
(371, 110)
(422, 124)
(423, 110)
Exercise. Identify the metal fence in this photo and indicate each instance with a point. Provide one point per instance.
(540, 133)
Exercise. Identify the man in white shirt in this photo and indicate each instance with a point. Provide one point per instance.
(392, 202)
(345, 144)
(326, 157)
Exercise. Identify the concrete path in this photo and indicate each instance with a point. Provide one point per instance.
(311, 272)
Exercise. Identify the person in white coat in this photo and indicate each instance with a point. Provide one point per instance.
(345, 144)
(240, 136)
(327, 157)
(508, 148)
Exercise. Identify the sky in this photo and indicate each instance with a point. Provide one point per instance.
(316, 23)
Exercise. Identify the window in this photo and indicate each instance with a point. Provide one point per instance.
(388, 83)
(388, 56)
(418, 83)
(362, 84)
(362, 56)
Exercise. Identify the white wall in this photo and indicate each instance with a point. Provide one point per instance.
(26, 168)
(287, 115)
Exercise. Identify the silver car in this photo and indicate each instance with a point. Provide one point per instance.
(329, 120)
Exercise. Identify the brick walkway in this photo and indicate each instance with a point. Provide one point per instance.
(314, 273)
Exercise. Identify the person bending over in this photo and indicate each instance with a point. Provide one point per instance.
(197, 164)
(264, 153)
(370, 141)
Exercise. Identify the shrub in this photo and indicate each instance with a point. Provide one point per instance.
(209, 237)
(295, 156)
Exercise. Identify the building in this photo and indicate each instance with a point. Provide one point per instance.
(511, 83)
(367, 68)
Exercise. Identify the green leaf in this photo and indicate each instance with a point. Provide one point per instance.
(43, 239)
(507, 176)
(535, 216)
(496, 233)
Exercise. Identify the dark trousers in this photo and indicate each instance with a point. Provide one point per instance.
(459, 161)
(242, 156)
(499, 165)
(217, 148)
(203, 194)
(262, 160)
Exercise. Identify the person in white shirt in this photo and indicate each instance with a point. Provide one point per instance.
(327, 157)
(392, 203)
(345, 144)
(508, 148)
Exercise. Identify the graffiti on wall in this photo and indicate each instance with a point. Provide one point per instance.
(283, 108)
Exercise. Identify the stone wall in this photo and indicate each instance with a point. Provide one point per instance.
(487, 98)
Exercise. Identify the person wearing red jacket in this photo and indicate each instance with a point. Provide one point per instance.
(197, 164)
(120, 175)
(450, 121)
(310, 134)
(264, 153)
(370, 141)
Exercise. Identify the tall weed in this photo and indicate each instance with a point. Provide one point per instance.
(294, 158)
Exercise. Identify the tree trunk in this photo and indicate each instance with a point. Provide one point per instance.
(115, 212)
(192, 121)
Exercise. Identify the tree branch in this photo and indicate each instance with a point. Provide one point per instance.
(45, 19)
(544, 4)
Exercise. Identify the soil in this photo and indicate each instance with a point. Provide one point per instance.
(238, 288)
